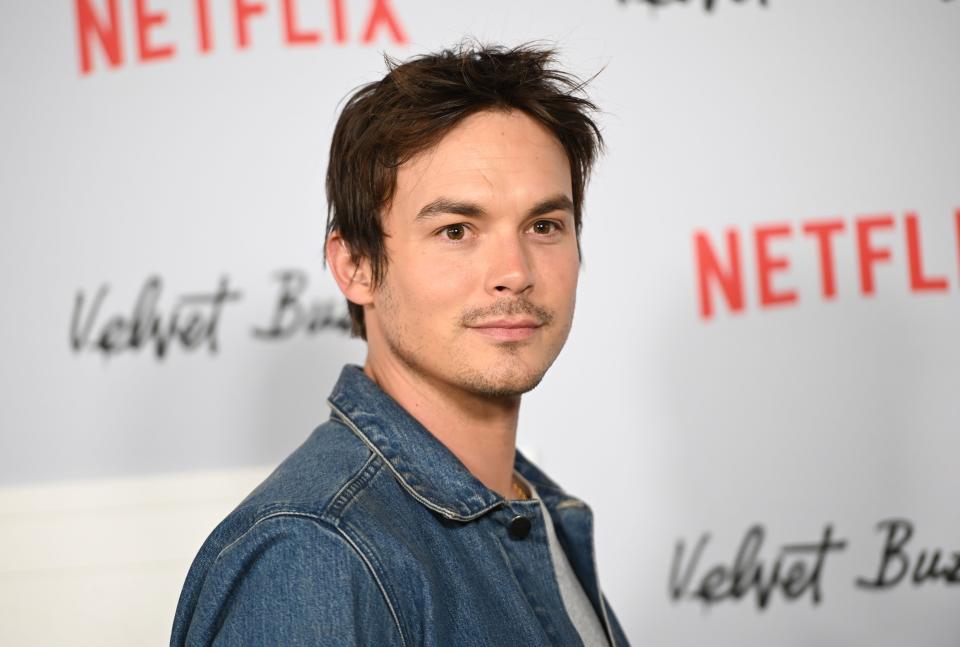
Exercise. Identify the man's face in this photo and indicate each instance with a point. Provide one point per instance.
(482, 268)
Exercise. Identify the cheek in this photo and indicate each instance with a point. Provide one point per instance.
(562, 271)
(435, 284)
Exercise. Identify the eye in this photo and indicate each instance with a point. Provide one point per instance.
(454, 232)
(545, 227)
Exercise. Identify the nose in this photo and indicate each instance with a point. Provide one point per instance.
(508, 268)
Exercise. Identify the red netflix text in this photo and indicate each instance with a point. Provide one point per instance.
(100, 27)
(720, 260)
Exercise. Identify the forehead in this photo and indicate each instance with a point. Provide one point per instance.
(490, 155)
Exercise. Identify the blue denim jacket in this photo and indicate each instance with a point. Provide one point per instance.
(374, 533)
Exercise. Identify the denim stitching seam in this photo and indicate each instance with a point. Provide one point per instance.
(446, 512)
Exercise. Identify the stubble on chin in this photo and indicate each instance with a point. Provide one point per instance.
(511, 382)
(512, 374)
(506, 373)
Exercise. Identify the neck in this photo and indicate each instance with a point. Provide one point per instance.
(480, 431)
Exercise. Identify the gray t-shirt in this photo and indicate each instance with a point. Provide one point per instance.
(578, 606)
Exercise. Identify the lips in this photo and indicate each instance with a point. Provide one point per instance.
(509, 323)
(508, 329)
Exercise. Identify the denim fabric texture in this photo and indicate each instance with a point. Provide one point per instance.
(374, 533)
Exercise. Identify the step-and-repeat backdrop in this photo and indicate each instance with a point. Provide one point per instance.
(761, 395)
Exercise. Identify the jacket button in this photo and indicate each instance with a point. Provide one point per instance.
(519, 527)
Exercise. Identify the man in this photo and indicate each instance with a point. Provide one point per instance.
(455, 189)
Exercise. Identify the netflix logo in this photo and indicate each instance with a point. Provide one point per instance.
(101, 25)
(720, 259)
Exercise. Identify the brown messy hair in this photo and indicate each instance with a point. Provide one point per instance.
(385, 123)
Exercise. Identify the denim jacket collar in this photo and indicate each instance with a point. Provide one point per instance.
(429, 471)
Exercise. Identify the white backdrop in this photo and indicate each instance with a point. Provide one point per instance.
(174, 181)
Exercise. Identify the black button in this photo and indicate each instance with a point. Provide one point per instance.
(519, 527)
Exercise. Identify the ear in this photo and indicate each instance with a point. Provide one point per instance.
(354, 278)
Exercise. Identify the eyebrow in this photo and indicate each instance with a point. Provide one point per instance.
(442, 205)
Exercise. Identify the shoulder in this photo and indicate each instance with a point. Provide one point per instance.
(302, 486)
(278, 551)
(289, 579)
